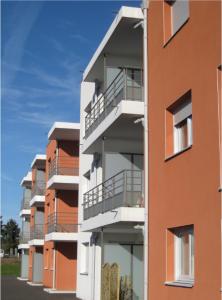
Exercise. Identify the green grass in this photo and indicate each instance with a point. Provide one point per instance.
(11, 268)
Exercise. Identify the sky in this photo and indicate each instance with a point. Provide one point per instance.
(45, 47)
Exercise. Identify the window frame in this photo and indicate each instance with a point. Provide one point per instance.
(84, 263)
(177, 147)
(178, 255)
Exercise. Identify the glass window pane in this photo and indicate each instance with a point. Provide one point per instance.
(185, 255)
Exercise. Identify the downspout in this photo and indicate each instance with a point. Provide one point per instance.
(219, 97)
(55, 223)
(54, 250)
(145, 5)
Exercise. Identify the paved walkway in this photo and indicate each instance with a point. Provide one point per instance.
(14, 289)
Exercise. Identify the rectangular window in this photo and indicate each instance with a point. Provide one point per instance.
(180, 255)
(46, 259)
(176, 13)
(184, 254)
(179, 133)
(84, 258)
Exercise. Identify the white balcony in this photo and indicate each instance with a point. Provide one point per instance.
(116, 202)
(62, 226)
(63, 174)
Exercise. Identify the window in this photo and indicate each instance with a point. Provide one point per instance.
(184, 254)
(179, 133)
(176, 13)
(84, 258)
(180, 255)
(46, 259)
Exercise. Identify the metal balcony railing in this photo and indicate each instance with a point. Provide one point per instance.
(62, 222)
(63, 165)
(37, 231)
(126, 86)
(125, 189)
(25, 203)
(24, 237)
(38, 188)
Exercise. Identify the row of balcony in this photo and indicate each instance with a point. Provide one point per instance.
(57, 222)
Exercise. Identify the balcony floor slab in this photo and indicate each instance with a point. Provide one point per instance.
(36, 242)
(116, 216)
(62, 236)
(63, 182)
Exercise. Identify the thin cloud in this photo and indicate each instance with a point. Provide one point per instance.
(18, 37)
(80, 38)
(7, 178)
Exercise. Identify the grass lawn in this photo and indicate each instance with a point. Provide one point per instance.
(10, 266)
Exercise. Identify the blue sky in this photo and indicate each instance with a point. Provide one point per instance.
(45, 47)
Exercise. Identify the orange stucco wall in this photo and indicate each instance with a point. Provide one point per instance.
(48, 264)
(62, 202)
(66, 266)
(31, 251)
(183, 190)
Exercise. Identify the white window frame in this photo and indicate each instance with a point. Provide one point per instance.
(178, 256)
(84, 266)
(177, 135)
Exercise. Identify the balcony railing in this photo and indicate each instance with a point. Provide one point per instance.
(39, 188)
(62, 222)
(37, 231)
(25, 203)
(24, 237)
(63, 165)
(126, 86)
(125, 189)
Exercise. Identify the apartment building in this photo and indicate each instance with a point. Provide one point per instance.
(184, 142)
(111, 200)
(24, 214)
(35, 274)
(61, 208)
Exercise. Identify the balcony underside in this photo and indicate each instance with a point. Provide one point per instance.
(122, 219)
(63, 182)
(37, 200)
(23, 246)
(36, 242)
(62, 236)
(118, 124)
(24, 212)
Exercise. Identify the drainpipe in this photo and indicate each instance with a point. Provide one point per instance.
(219, 105)
(145, 5)
(54, 266)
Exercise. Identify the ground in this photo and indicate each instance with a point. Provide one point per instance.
(14, 289)
(10, 266)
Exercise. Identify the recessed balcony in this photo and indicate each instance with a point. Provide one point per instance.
(38, 193)
(121, 194)
(24, 238)
(63, 173)
(62, 226)
(37, 235)
(25, 207)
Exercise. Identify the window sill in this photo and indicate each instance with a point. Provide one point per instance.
(177, 153)
(84, 273)
(180, 283)
(175, 33)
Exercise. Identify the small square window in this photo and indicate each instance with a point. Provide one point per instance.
(180, 255)
(179, 133)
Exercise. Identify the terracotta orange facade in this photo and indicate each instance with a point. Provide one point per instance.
(184, 121)
(61, 217)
